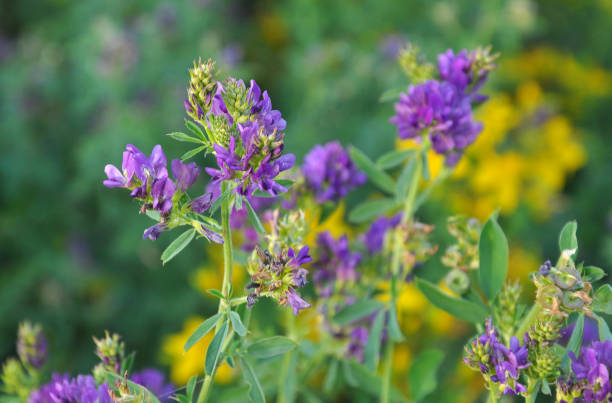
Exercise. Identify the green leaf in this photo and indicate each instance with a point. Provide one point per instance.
(190, 388)
(567, 237)
(184, 137)
(370, 209)
(592, 274)
(357, 310)
(575, 340)
(372, 347)
(256, 393)
(202, 330)
(177, 245)
(193, 152)
(393, 158)
(253, 218)
(370, 382)
(423, 373)
(425, 161)
(602, 326)
(405, 180)
(214, 349)
(126, 365)
(216, 293)
(195, 129)
(271, 347)
(374, 173)
(395, 332)
(331, 376)
(602, 300)
(259, 193)
(391, 94)
(348, 373)
(285, 182)
(493, 256)
(135, 388)
(154, 214)
(457, 307)
(237, 324)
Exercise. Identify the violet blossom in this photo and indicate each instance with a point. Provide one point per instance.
(335, 264)
(63, 389)
(593, 366)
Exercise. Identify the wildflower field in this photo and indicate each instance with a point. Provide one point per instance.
(305, 201)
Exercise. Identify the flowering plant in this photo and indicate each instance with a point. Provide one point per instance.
(347, 320)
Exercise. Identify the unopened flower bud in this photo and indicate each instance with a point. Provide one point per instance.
(31, 345)
(111, 350)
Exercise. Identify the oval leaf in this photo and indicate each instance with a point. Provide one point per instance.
(493, 256)
(567, 237)
(256, 393)
(374, 173)
(592, 274)
(372, 347)
(393, 158)
(271, 347)
(202, 330)
(237, 324)
(604, 330)
(371, 209)
(602, 300)
(423, 373)
(177, 245)
(457, 307)
(193, 152)
(406, 179)
(357, 310)
(214, 349)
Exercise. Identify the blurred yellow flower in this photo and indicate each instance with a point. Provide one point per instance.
(184, 365)
(334, 223)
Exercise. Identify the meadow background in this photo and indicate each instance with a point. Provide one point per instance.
(79, 79)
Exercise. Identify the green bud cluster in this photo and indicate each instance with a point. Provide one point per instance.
(111, 351)
(561, 290)
(416, 245)
(546, 329)
(463, 255)
(220, 130)
(287, 231)
(15, 381)
(507, 311)
(414, 64)
(483, 60)
(546, 364)
(202, 88)
(236, 100)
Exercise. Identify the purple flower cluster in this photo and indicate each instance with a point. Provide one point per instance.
(499, 363)
(155, 382)
(443, 109)
(358, 339)
(374, 238)
(330, 172)
(248, 140)
(31, 345)
(147, 179)
(335, 264)
(63, 389)
(593, 367)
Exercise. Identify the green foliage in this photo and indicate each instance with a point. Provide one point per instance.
(423, 373)
(567, 236)
(371, 209)
(493, 258)
(202, 330)
(356, 310)
(215, 348)
(379, 177)
(178, 245)
(270, 347)
(458, 307)
(602, 300)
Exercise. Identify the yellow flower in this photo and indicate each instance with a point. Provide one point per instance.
(334, 223)
(184, 365)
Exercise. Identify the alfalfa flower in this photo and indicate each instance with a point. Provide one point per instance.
(111, 351)
(31, 345)
(202, 88)
(330, 172)
(62, 388)
(335, 265)
(593, 367)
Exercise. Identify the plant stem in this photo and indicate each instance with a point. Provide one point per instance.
(395, 268)
(532, 390)
(285, 394)
(528, 321)
(228, 266)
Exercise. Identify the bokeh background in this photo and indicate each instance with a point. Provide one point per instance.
(80, 79)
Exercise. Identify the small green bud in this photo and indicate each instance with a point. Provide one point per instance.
(111, 350)
(414, 64)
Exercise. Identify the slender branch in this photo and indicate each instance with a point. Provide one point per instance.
(228, 266)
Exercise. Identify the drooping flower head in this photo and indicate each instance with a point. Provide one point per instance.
(31, 345)
(593, 367)
(497, 362)
(330, 172)
(335, 265)
(277, 276)
(63, 389)
(247, 136)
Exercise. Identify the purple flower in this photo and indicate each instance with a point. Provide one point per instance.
(336, 263)
(358, 339)
(138, 170)
(250, 154)
(202, 203)
(296, 302)
(589, 335)
(456, 69)
(185, 174)
(162, 191)
(375, 236)
(594, 366)
(497, 361)
(155, 382)
(154, 231)
(301, 258)
(330, 172)
(63, 389)
(443, 112)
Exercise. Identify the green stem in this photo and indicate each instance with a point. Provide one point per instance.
(395, 268)
(528, 321)
(492, 398)
(228, 266)
(532, 390)
(284, 394)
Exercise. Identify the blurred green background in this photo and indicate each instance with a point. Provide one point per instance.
(80, 79)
